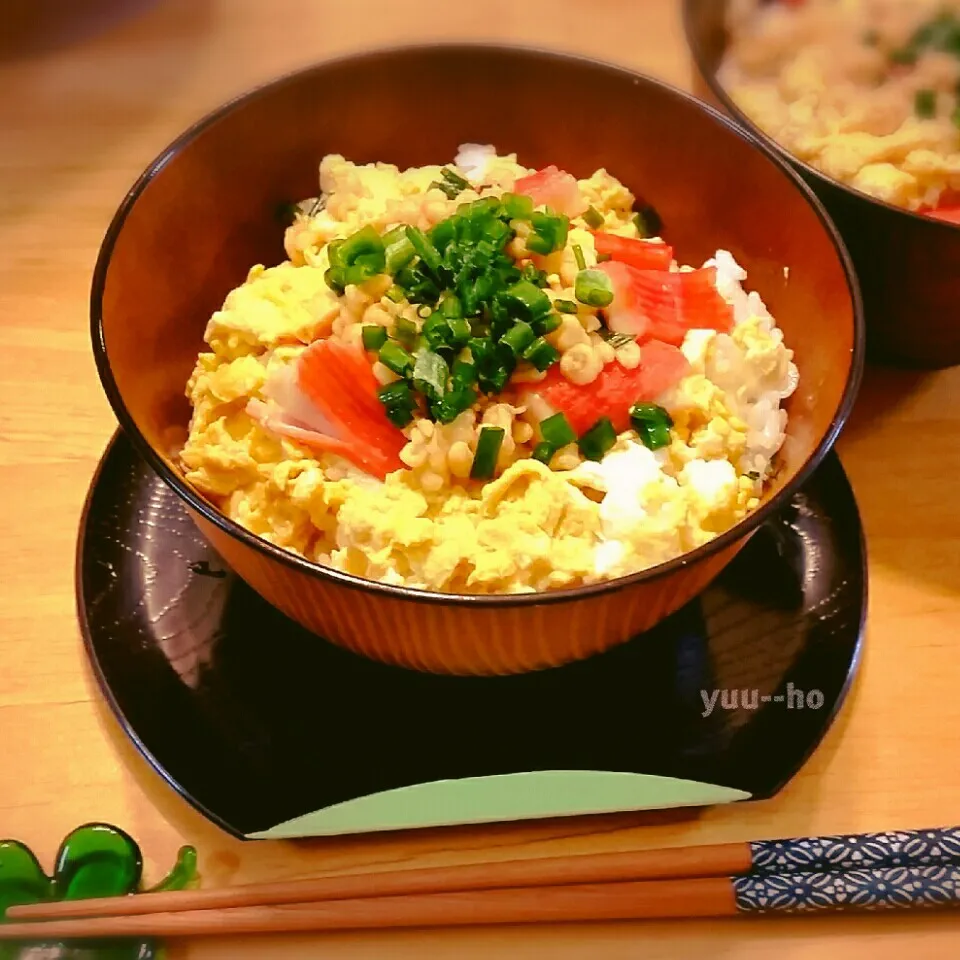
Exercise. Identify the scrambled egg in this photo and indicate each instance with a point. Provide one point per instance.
(822, 79)
(533, 528)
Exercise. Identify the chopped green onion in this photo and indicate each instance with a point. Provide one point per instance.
(516, 206)
(544, 453)
(488, 449)
(648, 222)
(556, 430)
(451, 176)
(336, 279)
(547, 324)
(578, 256)
(405, 330)
(426, 251)
(541, 354)
(398, 402)
(366, 244)
(394, 357)
(436, 331)
(593, 218)
(395, 294)
(518, 337)
(905, 56)
(398, 255)
(424, 311)
(450, 306)
(459, 330)
(593, 288)
(525, 301)
(956, 117)
(549, 232)
(464, 373)
(374, 337)
(430, 374)
(652, 424)
(925, 104)
(461, 397)
(565, 306)
(535, 276)
(598, 439)
(333, 253)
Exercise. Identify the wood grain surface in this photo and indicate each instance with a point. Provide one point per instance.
(92, 90)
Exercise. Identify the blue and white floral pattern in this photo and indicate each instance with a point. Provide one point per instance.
(885, 889)
(864, 851)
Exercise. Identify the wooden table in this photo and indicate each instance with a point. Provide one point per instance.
(88, 99)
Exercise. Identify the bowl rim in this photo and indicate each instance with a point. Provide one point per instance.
(231, 528)
(720, 92)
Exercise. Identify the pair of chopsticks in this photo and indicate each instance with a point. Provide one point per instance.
(898, 869)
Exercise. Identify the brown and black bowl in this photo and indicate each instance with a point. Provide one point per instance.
(908, 265)
(204, 212)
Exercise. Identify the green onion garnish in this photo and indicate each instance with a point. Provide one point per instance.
(525, 301)
(518, 337)
(374, 337)
(517, 206)
(398, 402)
(648, 222)
(556, 431)
(363, 247)
(461, 397)
(547, 324)
(464, 373)
(430, 373)
(956, 117)
(549, 233)
(535, 276)
(598, 439)
(652, 424)
(405, 330)
(593, 288)
(925, 104)
(544, 453)
(593, 218)
(541, 354)
(394, 357)
(488, 449)
(578, 256)
(425, 250)
(396, 294)
(451, 176)
(565, 306)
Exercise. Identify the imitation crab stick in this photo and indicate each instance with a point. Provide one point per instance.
(664, 306)
(642, 254)
(615, 390)
(554, 188)
(328, 401)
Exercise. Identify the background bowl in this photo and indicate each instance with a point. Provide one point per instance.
(204, 212)
(908, 265)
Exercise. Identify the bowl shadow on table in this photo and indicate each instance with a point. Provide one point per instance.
(66, 114)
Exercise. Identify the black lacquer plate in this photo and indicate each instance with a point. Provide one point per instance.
(256, 722)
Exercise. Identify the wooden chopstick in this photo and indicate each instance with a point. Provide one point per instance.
(890, 888)
(604, 901)
(719, 860)
(902, 848)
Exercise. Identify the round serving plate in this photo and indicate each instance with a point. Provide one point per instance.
(271, 731)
